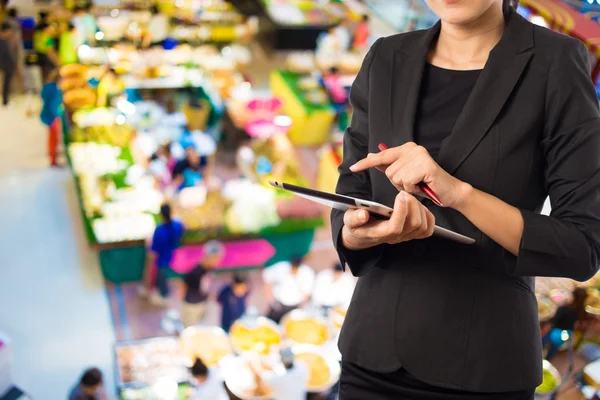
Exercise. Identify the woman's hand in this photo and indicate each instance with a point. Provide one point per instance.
(408, 165)
(410, 220)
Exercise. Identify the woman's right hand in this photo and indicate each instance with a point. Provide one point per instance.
(410, 220)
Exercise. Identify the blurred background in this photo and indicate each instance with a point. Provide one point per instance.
(143, 254)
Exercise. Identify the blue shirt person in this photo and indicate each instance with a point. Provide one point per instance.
(167, 237)
(233, 299)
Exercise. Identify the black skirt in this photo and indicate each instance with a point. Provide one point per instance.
(358, 383)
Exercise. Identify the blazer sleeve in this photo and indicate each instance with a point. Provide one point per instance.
(356, 140)
(567, 243)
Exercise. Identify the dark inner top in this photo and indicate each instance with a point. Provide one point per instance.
(443, 95)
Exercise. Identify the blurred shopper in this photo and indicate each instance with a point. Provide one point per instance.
(197, 284)
(564, 322)
(52, 107)
(45, 46)
(166, 238)
(233, 299)
(333, 287)
(32, 81)
(192, 170)
(289, 384)
(86, 24)
(90, 386)
(288, 285)
(158, 28)
(12, 19)
(67, 46)
(361, 34)
(206, 383)
(8, 61)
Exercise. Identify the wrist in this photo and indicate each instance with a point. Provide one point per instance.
(351, 243)
(465, 195)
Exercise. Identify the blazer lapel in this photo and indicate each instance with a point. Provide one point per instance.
(501, 74)
(407, 71)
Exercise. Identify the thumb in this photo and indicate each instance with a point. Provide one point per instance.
(356, 218)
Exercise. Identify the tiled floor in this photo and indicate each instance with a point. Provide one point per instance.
(52, 298)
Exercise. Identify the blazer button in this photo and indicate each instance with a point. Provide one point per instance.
(420, 249)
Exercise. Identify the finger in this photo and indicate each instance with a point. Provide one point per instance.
(430, 222)
(421, 232)
(382, 169)
(409, 178)
(355, 218)
(393, 170)
(413, 218)
(398, 217)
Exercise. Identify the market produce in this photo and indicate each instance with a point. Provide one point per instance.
(319, 372)
(145, 362)
(550, 379)
(546, 308)
(96, 159)
(210, 343)
(121, 229)
(259, 336)
(306, 330)
(210, 215)
(241, 381)
(115, 135)
(337, 315)
(252, 206)
(76, 99)
(593, 301)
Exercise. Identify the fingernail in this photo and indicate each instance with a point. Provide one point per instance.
(363, 216)
(352, 167)
(370, 154)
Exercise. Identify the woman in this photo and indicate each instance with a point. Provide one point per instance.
(233, 299)
(566, 318)
(166, 238)
(494, 114)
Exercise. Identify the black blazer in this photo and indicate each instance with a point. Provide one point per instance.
(465, 316)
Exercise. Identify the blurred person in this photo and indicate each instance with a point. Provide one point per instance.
(197, 285)
(8, 61)
(157, 29)
(162, 164)
(32, 81)
(288, 285)
(494, 114)
(52, 107)
(86, 24)
(165, 240)
(289, 384)
(12, 18)
(111, 85)
(67, 46)
(193, 169)
(361, 34)
(45, 46)
(333, 287)
(233, 299)
(343, 34)
(90, 386)
(565, 321)
(207, 383)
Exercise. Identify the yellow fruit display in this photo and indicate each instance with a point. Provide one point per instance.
(210, 344)
(259, 339)
(210, 215)
(115, 135)
(319, 372)
(306, 331)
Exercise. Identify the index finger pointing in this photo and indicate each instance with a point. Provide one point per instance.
(372, 161)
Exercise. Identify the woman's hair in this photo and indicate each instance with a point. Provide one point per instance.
(165, 213)
(13, 13)
(578, 304)
(239, 279)
(509, 4)
(199, 368)
(154, 9)
(91, 377)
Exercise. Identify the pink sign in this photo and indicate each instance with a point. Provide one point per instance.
(241, 254)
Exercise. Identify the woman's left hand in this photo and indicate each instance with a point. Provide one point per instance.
(408, 165)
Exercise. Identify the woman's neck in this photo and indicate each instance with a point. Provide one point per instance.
(467, 46)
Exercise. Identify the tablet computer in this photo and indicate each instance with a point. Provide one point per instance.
(341, 202)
